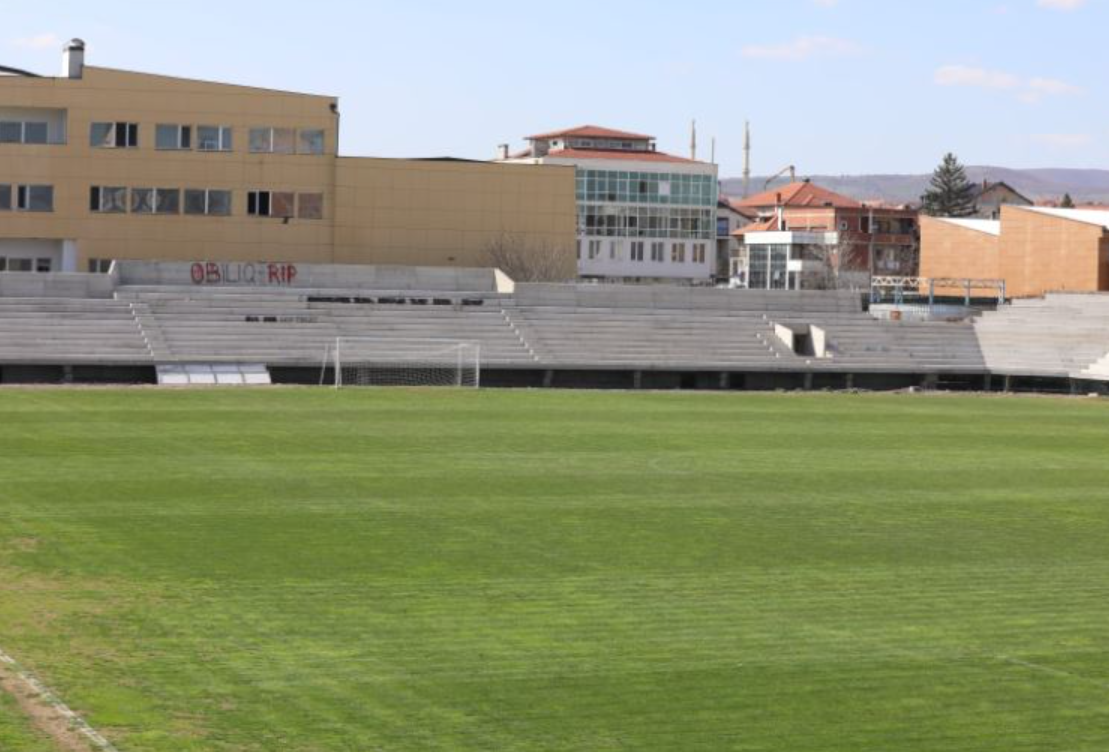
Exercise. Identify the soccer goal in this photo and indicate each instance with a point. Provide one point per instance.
(355, 361)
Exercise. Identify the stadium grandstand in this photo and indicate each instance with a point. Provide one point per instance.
(166, 322)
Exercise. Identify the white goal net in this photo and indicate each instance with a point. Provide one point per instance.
(352, 361)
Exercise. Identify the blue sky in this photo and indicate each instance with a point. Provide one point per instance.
(833, 86)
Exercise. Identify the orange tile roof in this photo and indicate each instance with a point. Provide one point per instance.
(592, 131)
(769, 225)
(735, 205)
(632, 156)
(800, 194)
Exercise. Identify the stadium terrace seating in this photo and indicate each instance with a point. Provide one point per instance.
(297, 327)
(1060, 335)
(542, 327)
(70, 331)
(608, 326)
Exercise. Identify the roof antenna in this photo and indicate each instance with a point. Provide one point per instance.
(693, 142)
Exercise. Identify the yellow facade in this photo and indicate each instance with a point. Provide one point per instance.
(375, 211)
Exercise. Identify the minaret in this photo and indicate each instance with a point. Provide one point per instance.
(746, 159)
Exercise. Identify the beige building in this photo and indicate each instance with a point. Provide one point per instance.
(1034, 250)
(101, 164)
(960, 249)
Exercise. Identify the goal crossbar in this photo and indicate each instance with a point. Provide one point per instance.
(375, 361)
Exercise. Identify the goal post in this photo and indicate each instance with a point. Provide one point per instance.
(357, 361)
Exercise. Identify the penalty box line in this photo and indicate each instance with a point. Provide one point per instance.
(55, 703)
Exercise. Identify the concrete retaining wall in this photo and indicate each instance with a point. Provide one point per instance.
(309, 276)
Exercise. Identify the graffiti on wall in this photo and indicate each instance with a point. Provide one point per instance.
(233, 273)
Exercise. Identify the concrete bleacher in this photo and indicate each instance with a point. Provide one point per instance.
(147, 317)
(659, 327)
(1061, 335)
(287, 327)
(70, 331)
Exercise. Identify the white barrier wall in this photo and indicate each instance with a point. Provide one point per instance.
(221, 274)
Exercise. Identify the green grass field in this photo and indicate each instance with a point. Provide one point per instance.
(401, 570)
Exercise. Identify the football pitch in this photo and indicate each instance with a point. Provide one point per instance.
(353, 571)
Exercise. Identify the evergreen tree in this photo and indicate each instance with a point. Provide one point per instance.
(1067, 202)
(951, 194)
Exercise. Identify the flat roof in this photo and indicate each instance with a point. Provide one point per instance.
(1089, 216)
(988, 226)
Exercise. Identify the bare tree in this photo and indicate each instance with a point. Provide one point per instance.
(843, 265)
(528, 260)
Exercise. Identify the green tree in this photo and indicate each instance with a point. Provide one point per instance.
(951, 194)
(1067, 202)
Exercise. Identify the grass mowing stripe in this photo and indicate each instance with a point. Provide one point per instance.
(395, 570)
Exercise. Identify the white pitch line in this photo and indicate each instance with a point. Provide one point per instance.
(47, 696)
(1054, 671)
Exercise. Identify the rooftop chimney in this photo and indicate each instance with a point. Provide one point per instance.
(502, 151)
(73, 59)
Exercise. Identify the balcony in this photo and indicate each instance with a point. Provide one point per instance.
(31, 126)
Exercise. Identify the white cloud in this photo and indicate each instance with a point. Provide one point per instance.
(803, 48)
(39, 42)
(1064, 5)
(962, 75)
(1059, 141)
(1030, 90)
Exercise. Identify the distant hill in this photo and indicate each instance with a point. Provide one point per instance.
(1040, 184)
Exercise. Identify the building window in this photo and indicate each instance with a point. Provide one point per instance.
(273, 140)
(34, 198)
(283, 204)
(155, 201)
(210, 203)
(43, 265)
(258, 203)
(614, 250)
(594, 249)
(100, 266)
(677, 253)
(310, 206)
(270, 204)
(114, 135)
(657, 250)
(107, 200)
(20, 265)
(637, 250)
(310, 142)
(213, 138)
(173, 137)
(16, 132)
(698, 253)
(5, 198)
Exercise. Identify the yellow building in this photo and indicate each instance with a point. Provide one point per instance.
(101, 164)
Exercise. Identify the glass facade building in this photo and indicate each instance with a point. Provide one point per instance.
(641, 213)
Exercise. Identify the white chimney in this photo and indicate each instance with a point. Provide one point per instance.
(73, 59)
(502, 152)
